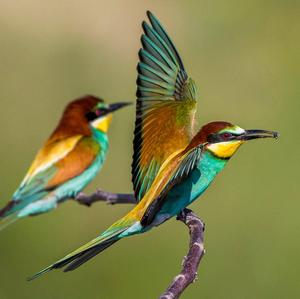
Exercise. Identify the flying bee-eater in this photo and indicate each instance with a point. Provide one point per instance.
(69, 160)
(172, 166)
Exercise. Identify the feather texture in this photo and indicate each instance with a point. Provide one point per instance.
(51, 153)
(166, 104)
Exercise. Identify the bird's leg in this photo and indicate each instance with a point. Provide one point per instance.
(108, 197)
(191, 261)
(183, 214)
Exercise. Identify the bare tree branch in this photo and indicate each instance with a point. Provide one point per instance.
(108, 197)
(191, 262)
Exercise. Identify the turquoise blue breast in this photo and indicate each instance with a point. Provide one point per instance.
(183, 194)
(102, 139)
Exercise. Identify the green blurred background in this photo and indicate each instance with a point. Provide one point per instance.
(244, 55)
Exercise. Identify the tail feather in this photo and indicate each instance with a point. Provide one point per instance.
(88, 255)
(9, 213)
(75, 260)
(86, 252)
(6, 221)
(8, 208)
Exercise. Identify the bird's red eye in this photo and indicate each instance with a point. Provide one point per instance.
(226, 135)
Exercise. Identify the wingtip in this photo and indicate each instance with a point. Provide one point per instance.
(8, 220)
(151, 16)
(145, 26)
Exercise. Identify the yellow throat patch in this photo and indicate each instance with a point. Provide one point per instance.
(225, 149)
(102, 123)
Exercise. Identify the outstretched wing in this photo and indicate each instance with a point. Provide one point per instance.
(166, 104)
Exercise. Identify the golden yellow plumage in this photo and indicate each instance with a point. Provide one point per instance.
(224, 149)
(49, 154)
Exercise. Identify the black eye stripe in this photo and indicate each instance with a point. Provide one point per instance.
(220, 137)
(214, 138)
(91, 116)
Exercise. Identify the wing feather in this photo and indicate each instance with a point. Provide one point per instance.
(48, 155)
(173, 171)
(180, 169)
(41, 168)
(66, 164)
(76, 162)
(166, 104)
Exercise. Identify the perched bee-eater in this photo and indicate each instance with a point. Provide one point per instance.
(171, 165)
(68, 161)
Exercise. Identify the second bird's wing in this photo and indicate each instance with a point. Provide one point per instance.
(55, 164)
(166, 104)
(41, 169)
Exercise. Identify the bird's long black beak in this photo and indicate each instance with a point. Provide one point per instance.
(116, 106)
(254, 134)
(100, 112)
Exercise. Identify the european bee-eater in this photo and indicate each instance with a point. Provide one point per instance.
(171, 167)
(68, 161)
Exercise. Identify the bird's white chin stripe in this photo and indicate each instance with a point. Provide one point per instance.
(102, 123)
